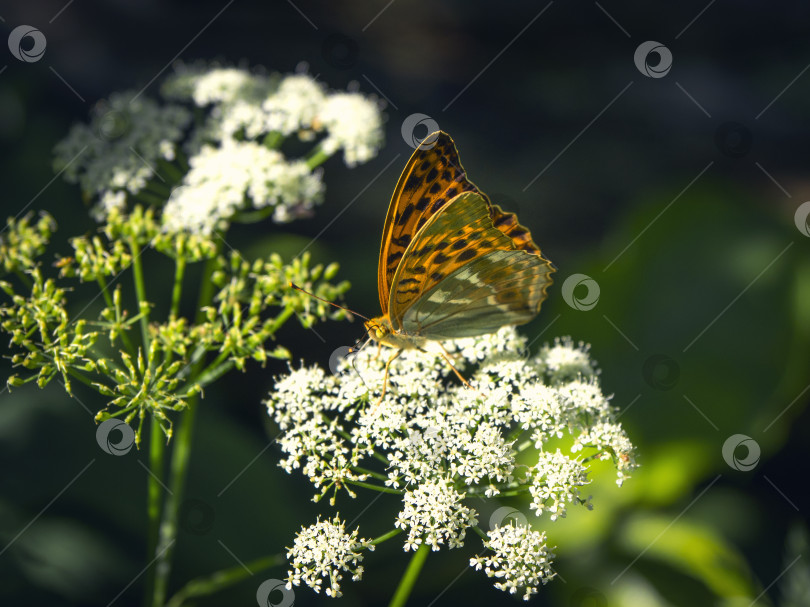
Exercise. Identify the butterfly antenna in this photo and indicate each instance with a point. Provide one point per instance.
(331, 303)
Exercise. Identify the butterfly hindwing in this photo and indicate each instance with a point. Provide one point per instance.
(497, 289)
(432, 177)
(508, 224)
(464, 276)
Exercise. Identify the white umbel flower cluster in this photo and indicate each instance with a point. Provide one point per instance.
(443, 445)
(520, 559)
(221, 178)
(120, 149)
(325, 551)
(353, 125)
(251, 105)
(556, 480)
(295, 105)
(216, 146)
(433, 513)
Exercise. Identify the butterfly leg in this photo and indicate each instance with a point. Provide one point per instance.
(385, 378)
(446, 355)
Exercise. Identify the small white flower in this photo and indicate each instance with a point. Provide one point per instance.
(110, 200)
(565, 362)
(353, 124)
(485, 455)
(237, 175)
(556, 479)
(521, 559)
(294, 105)
(612, 442)
(223, 85)
(324, 551)
(120, 148)
(433, 513)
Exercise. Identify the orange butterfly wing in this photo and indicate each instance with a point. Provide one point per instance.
(463, 275)
(432, 177)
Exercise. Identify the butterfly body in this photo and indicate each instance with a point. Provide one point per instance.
(451, 263)
(383, 332)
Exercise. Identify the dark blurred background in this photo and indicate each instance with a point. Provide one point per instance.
(676, 194)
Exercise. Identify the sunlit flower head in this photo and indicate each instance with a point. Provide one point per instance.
(324, 551)
(442, 446)
(353, 123)
(239, 175)
(217, 146)
(519, 559)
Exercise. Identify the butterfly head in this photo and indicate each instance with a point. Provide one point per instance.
(379, 328)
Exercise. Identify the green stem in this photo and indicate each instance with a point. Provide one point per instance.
(385, 536)
(179, 272)
(179, 463)
(316, 158)
(279, 321)
(27, 282)
(204, 373)
(403, 591)
(273, 140)
(222, 579)
(168, 526)
(153, 501)
(82, 378)
(105, 290)
(371, 473)
(379, 488)
(140, 291)
(213, 374)
(253, 216)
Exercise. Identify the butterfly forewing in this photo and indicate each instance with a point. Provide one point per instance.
(463, 276)
(432, 177)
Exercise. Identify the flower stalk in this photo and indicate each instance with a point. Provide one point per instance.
(410, 576)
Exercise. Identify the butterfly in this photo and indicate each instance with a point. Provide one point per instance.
(451, 263)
